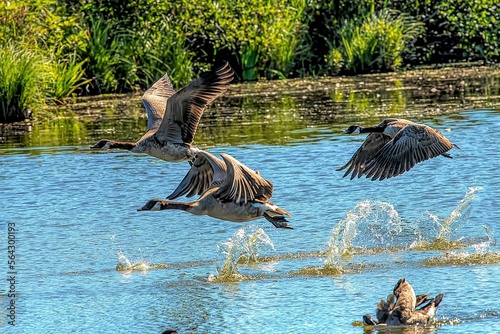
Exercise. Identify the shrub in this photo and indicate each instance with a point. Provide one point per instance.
(23, 81)
(375, 43)
(67, 77)
(256, 34)
(110, 56)
(160, 49)
(458, 30)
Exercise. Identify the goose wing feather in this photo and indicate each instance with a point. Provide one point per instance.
(185, 108)
(413, 144)
(242, 184)
(372, 144)
(206, 172)
(155, 101)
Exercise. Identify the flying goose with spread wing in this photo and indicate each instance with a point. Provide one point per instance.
(393, 147)
(400, 308)
(173, 117)
(228, 190)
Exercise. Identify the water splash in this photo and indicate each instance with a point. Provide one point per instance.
(484, 247)
(450, 225)
(370, 224)
(242, 248)
(458, 216)
(124, 264)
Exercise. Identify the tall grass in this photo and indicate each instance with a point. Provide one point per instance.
(249, 58)
(110, 61)
(288, 40)
(162, 49)
(67, 77)
(23, 81)
(376, 42)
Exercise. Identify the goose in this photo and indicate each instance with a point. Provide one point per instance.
(400, 308)
(228, 191)
(393, 147)
(173, 117)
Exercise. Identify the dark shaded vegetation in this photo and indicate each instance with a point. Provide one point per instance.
(89, 47)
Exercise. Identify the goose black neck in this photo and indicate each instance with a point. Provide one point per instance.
(370, 129)
(174, 206)
(122, 145)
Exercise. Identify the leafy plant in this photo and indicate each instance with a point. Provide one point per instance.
(289, 37)
(458, 30)
(160, 49)
(67, 77)
(22, 81)
(109, 57)
(377, 42)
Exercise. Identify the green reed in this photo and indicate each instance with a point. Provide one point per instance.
(109, 56)
(377, 42)
(68, 76)
(160, 49)
(288, 36)
(22, 81)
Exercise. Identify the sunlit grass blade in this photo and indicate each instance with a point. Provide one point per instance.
(22, 82)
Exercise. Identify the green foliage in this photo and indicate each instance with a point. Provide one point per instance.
(120, 45)
(43, 23)
(376, 42)
(161, 49)
(259, 35)
(459, 30)
(335, 60)
(290, 41)
(67, 77)
(103, 50)
(22, 81)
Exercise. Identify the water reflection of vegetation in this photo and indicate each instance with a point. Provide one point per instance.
(277, 112)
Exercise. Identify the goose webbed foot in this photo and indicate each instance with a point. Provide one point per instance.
(278, 221)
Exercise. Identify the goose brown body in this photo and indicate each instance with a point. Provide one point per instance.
(228, 190)
(173, 117)
(400, 308)
(393, 147)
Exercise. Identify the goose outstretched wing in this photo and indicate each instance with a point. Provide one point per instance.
(185, 108)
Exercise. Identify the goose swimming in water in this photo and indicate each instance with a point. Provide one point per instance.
(400, 308)
(228, 190)
(174, 116)
(393, 147)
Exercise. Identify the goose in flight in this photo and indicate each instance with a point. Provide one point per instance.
(174, 116)
(400, 308)
(393, 147)
(228, 190)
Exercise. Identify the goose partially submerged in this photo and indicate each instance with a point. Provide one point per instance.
(400, 308)
(173, 117)
(393, 147)
(228, 190)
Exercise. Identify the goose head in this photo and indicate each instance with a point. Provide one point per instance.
(152, 205)
(103, 143)
(353, 130)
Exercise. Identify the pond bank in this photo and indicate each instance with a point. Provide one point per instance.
(462, 87)
(279, 109)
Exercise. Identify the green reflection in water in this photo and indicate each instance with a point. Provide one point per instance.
(274, 113)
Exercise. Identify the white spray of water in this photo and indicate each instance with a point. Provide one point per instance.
(244, 245)
(458, 216)
(372, 222)
(124, 264)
